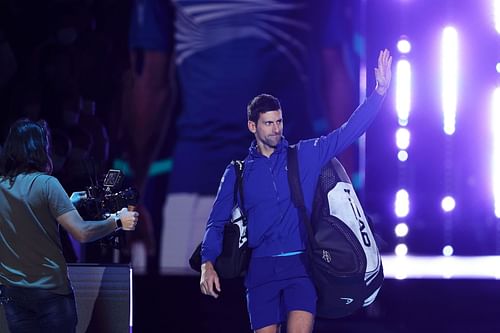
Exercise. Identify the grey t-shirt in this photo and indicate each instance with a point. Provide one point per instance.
(30, 248)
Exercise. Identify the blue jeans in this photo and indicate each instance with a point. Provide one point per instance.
(38, 311)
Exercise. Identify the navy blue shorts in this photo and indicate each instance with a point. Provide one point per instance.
(276, 286)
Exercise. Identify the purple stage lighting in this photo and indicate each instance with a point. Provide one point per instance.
(448, 203)
(496, 13)
(403, 155)
(403, 138)
(401, 250)
(495, 165)
(404, 46)
(448, 250)
(401, 229)
(439, 267)
(449, 65)
(402, 203)
(403, 91)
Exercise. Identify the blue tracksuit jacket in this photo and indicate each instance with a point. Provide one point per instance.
(273, 221)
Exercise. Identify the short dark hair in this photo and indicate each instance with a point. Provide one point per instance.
(26, 149)
(261, 104)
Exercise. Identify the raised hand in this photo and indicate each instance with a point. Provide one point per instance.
(383, 72)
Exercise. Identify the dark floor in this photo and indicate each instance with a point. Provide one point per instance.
(174, 304)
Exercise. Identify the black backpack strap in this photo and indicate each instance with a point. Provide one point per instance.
(238, 187)
(296, 190)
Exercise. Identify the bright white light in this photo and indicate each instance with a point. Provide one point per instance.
(403, 91)
(498, 67)
(401, 250)
(362, 81)
(403, 138)
(495, 165)
(404, 46)
(448, 250)
(401, 229)
(402, 203)
(403, 155)
(437, 267)
(496, 13)
(448, 203)
(449, 65)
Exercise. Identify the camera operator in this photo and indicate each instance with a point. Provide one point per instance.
(34, 285)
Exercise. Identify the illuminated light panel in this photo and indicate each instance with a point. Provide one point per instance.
(448, 250)
(496, 13)
(403, 138)
(401, 250)
(402, 203)
(401, 229)
(403, 91)
(131, 300)
(498, 67)
(362, 81)
(403, 155)
(404, 46)
(441, 267)
(449, 65)
(495, 165)
(448, 203)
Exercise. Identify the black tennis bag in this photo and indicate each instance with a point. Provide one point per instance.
(345, 263)
(235, 256)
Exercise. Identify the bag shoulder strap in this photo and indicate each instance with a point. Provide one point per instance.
(294, 178)
(296, 190)
(238, 184)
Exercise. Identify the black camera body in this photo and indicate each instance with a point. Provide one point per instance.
(107, 198)
(102, 199)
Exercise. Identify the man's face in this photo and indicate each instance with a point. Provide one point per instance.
(269, 129)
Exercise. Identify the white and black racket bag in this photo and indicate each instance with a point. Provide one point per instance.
(345, 262)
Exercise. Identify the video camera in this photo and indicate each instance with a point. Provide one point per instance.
(107, 198)
(101, 200)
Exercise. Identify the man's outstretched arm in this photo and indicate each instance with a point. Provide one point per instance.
(359, 121)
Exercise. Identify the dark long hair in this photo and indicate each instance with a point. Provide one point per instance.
(26, 149)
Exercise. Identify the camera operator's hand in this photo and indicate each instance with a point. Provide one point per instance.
(128, 218)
